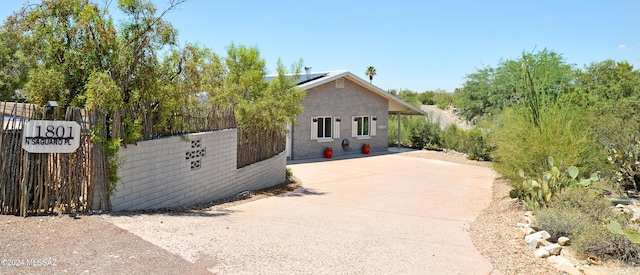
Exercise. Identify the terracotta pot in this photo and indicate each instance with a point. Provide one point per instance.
(328, 153)
(366, 150)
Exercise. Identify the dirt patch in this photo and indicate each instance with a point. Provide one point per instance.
(90, 244)
(81, 244)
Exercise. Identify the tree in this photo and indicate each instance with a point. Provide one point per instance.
(258, 103)
(611, 90)
(144, 34)
(371, 72)
(544, 75)
(13, 66)
(58, 44)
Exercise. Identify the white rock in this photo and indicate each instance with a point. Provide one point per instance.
(529, 231)
(541, 253)
(563, 241)
(540, 235)
(534, 243)
(553, 249)
(530, 220)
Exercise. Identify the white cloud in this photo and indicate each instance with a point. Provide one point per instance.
(622, 46)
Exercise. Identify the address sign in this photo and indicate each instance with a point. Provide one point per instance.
(51, 136)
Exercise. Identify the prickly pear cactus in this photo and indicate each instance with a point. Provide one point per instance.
(631, 233)
(538, 192)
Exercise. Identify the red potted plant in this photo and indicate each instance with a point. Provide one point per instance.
(366, 148)
(328, 152)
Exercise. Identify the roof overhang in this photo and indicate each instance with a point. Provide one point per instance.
(396, 105)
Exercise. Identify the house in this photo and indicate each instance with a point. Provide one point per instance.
(342, 111)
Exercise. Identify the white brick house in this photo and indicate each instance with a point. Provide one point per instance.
(342, 111)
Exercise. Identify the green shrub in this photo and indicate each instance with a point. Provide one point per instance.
(417, 132)
(571, 210)
(561, 222)
(476, 144)
(426, 98)
(289, 172)
(579, 213)
(596, 240)
(563, 133)
(625, 159)
(442, 100)
(426, 135)
(590, 201)
(473, 142)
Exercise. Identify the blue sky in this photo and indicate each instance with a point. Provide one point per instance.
(417, 45)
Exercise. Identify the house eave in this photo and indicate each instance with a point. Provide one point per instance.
(396, 105)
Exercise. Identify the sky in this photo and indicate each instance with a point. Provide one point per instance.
(415, 45)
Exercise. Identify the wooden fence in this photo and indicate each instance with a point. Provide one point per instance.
(188, 121)
(258, 144)
(54, 182)
(38, 183)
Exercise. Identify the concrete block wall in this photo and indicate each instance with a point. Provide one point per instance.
(327, 100)
(262, 174)
(185, 171)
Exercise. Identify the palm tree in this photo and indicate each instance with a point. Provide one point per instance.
(371, 71)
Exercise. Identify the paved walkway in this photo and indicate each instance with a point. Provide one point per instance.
(385, 214)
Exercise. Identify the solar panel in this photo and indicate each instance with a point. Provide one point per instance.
(302, 78)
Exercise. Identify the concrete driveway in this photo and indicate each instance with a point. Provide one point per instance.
(385, 214)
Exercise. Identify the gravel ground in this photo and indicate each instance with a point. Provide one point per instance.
(81, 244)
(495, 235)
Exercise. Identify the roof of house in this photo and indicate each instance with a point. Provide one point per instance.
(396, 105)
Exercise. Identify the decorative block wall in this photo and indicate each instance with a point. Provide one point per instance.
(185, 171)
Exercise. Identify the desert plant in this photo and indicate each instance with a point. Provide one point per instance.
(590, 201)
(442, 99)
(625, 158)
(562, 130)
(473, 142)
(561, 222)
(630, 233)
(596, 240)
(537, 192)
(476, 144)
(578, 213)
(426, 135)
(289, 172)
(571, 210)
(451, 137)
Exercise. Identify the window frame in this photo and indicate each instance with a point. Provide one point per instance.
(361, 122)
(331, 121)
(326, 121)
(357, 124)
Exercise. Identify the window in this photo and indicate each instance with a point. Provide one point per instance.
(363, 126)
(325, 127)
